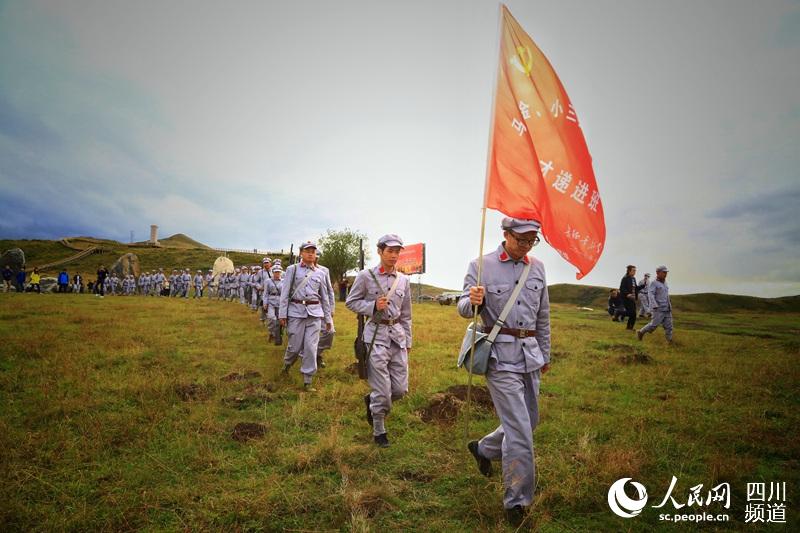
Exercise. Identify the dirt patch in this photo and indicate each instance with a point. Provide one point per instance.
(190, 392)
(259, 387)
(664, 397)
(236, 376)
(445, 406)
(479, 395)
(443, 409)
(409, 475)
(244, 431)
(638, 357)
(372, 504)
(247, 400)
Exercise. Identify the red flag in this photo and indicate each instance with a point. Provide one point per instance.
(539, 165)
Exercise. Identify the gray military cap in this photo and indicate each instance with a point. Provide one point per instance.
(390, 240)
(662, 268)
(276, 268)
(308, 244)
(266, 260)
(520, 225)
(647, 274)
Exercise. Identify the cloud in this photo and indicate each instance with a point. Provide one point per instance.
(771, 216)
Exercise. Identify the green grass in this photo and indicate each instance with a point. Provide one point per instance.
(97, 432)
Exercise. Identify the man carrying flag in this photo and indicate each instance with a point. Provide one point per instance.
(539, 174)
(520, 354)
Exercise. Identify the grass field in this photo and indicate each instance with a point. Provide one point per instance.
(118, 414)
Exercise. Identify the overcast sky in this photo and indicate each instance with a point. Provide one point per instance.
(260, 124)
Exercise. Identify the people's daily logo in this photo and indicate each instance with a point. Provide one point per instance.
(766, 502)
(621, 504)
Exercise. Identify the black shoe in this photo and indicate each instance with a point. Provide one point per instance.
(320, 362)
(369, 411)
(484, 464)
(382, 441)
(515, 515)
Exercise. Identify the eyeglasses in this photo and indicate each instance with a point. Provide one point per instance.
(524, 242)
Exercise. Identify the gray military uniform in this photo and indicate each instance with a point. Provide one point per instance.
(661, 307)
(514, 367)
(305, 310)
(326, 337)
(388, 363)
(272, 300)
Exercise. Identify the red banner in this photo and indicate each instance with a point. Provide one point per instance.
(412, 259)
(539, 165)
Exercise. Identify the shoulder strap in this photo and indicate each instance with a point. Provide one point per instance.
(391, 289)
(291, 284)
(302, 282)
(509, 304)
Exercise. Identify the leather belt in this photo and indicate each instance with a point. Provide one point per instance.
(390, 322)
(519, 333)
(305, 302)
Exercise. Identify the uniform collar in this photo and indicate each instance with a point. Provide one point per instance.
(382, 270)
(503, 256)
(305, 265)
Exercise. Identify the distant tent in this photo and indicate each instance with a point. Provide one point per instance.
(222, 265)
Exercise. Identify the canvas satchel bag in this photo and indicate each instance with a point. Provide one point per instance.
(484, 341)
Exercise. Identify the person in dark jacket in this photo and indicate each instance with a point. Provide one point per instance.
(99, 286)
(7, 275)
(63, 280)
(21, 275)
(616, 307)
(77, 283)
(627, 288)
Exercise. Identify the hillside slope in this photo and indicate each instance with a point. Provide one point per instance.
(597, 297)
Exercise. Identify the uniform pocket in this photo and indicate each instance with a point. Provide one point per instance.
(534, 284)
(498, 294)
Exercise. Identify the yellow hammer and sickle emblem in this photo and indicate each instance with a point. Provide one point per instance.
(523, 61)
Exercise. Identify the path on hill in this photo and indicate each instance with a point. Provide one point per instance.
(80, 255)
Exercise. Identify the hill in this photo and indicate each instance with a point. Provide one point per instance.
(179, 252)
(179, 240)
(597, 297)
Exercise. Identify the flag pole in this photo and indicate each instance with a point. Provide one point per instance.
(483, 224)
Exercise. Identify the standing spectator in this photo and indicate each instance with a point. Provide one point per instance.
(343, 290)
(99, 286)
(36, 279)
(642, 294)
(63, 280)
(77, 283)
(21, 280)
(7, 275)
(627, 288)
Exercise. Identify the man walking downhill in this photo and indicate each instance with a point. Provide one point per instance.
(519, 356)
(304, 307)
(660, 306)
(384, 295)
